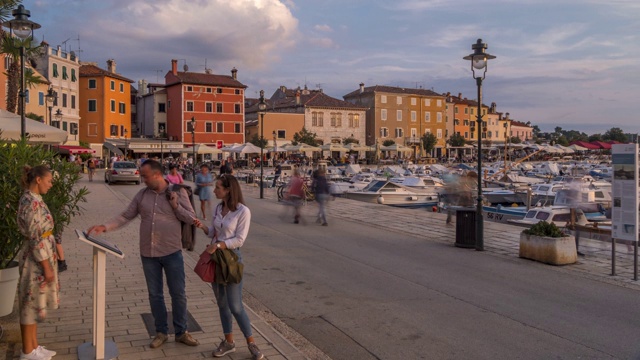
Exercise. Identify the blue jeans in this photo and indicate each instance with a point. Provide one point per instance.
(322, 206)
(229, 299)
(173, 266)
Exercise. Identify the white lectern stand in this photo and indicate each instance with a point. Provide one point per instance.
(99, 348)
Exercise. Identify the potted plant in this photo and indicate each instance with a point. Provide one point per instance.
(545, 242)
(63, 200)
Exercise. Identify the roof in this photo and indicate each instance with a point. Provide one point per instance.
(585, 144)
(203, 79)
(395, 90)
(316, 99)
(518, 123)
(92, 70)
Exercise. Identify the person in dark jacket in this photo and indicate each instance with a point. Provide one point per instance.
(321, 191)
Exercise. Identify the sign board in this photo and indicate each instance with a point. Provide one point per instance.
(219, 144)
(100, 243)
(624, 210)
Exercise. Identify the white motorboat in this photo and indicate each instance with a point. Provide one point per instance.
(357, 182)
(389, 193)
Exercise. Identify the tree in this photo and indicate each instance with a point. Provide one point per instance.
(536, 130)
(594, 137)
(562, 140)
(257, 141)
(615, 134)
(306, 137)
(558, 130)
(349, 140)
(11, 47)
(429, 141)
(456, 140)
(388, 142)
(35, 117)
(515, 140)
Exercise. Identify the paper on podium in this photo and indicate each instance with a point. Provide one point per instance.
(100, 244)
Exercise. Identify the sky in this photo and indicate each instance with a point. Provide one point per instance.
(568, 63)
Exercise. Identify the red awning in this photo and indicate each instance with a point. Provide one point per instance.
(601, 145)
(587, 145)
(74, 149)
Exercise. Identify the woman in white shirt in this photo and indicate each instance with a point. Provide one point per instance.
(229, 229)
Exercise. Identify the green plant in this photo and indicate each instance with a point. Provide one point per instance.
(62, 199)
(545, 229)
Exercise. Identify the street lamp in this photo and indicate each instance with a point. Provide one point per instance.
(51, 94)
(58, 118)
(193, 145)
(479, 62)
(126, 145)
(22, 28)
(262, 106)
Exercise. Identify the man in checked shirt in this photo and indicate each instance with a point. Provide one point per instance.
(161, 212)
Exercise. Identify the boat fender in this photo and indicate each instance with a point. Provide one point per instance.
(412, 198)
(380, 200)
(434, 208)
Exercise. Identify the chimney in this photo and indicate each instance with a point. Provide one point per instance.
(111, 66)
(298, 97)
(506, 116)
(174, 66)
(283, 88)
(234, 73)
(459, 95)
(361, 88)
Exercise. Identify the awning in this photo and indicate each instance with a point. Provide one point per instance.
(74, 149)
(113, 148)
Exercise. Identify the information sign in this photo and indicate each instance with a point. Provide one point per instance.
(624, 210)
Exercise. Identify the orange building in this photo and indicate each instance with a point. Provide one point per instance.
(105, 111)
(216, 102)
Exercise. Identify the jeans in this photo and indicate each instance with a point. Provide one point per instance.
(322, 205)
(229, 299)
(173, 266)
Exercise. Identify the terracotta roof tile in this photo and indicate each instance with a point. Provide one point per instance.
(394, 90)
(203, 79)
(92, 70)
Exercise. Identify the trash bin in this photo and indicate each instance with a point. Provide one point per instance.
(466, 228)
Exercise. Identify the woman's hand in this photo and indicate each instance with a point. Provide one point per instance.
(197, 223)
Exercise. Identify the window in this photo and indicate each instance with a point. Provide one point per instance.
(282, 134)
(93, 105)
(112, 85)
(471, 111)
(65, 76)
(383, 99)
(208, 127)
(354, 120)
(465, 122)
(209, 90)
(320, 119)
(123, 108)
(399, 132)
(64, 100)
(219, 90)
(414, 132)
(466, 135)
(219, 107)
(169, 104)
(314, 118)
(40, 98)
(439, 119)
(384, 132)
(455, 110)
(73, 101)
(466, 110)
(113, 106)
(238, 108)
(219, 127)
(339, 120)
(64, 125)
(113, 130)
(73, 75)
(383, 114)
(334, 119)
(73, 130)
(414, 117)
(427, 102)
(189, 88)
(426, 131)
(121, 130)
(189, 105)
(399, 115)
(413, 101)
(398, 100)
(427, 117)
(238, 92)
(121, 87)
(92, 84)
(439, 134)
(439, 103)
(208, 107)
(55, 70)
(238, 128)
(162, 107)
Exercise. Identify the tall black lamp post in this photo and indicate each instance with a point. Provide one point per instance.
(479, 61)
(262, 106)
(193, 145)
(22, 28)
(126, 145)
(58, 117)
(51, 95)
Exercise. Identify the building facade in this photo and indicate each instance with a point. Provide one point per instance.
(36, 100)
(521, 130)
(215, 102)
(105, 110)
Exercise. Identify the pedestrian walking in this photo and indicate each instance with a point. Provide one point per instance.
(228, 230)
(321, 191)
(204, 182)
(295, 194)
(91, 166)
(277, 173)
(174, 176)
(39, 285)
(161, 212)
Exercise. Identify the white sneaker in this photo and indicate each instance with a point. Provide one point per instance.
(46, 352)
(34, 355)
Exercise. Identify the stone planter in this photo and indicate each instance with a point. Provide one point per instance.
(554, 251)
(8, 287)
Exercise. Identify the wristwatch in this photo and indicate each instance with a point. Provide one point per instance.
(219, 246)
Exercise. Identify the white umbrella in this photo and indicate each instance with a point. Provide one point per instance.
(303, 147)
(247, 148)
(577, 147)
(333, 147)
(37, 132)
(201, 149)
(358, 147)
(395, 147)
(564, 149)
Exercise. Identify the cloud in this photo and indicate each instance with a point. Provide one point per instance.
(322, 42)
(323, 28)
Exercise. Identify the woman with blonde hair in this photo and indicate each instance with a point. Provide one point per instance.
(39, 287)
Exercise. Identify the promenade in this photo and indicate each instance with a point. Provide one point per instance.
(127, 301)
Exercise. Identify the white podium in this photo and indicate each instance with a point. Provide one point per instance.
(99, 348)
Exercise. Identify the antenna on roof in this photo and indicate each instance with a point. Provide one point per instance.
(185, 67)
(158, 75)
(64, 43)
(79, 48)
(206, 69)
(319, 85)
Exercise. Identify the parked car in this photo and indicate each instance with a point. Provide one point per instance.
(123, 171)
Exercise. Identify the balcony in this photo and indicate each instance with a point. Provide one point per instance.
(412, 140)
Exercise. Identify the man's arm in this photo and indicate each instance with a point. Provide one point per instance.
(184, 211)
(119, 221)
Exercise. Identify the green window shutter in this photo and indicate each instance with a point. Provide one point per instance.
(73, 75)
(65, 76)
(55, 70)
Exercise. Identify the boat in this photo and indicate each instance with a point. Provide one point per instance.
(357, 182)
(559, 215)
(389, 193)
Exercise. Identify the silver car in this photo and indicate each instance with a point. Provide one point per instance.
(122, 171)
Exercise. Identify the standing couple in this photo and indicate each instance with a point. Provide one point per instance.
(161, 211)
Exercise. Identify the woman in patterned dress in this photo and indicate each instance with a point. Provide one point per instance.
(39, 286)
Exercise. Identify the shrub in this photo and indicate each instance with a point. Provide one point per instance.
(545, 229)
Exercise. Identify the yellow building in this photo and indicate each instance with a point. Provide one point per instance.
(36, 100)
(105, 98)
